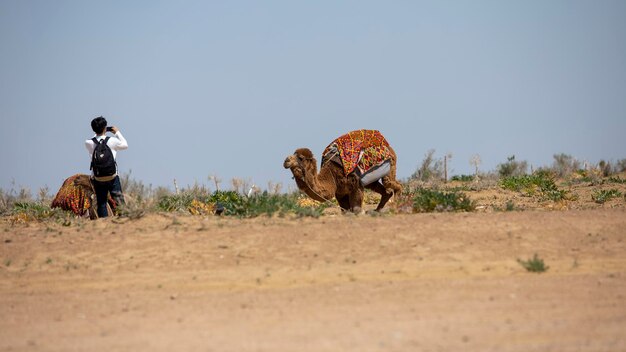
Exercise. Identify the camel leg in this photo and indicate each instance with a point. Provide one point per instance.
(384, 195)
(344, 202)
(356, 201)
(356, 193)
(389, 181)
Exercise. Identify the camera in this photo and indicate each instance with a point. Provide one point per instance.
(109, 129)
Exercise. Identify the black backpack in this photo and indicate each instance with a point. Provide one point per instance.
(102, 160)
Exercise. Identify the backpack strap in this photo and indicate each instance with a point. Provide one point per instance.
(95, 140)
(93, 154)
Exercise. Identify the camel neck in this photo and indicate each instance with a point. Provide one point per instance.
(317, 186)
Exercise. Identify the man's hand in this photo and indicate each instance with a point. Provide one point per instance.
(114, 129)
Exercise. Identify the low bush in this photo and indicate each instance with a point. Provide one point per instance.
(183, 201)
(427, 200)
(602, 196)
(512, 167)
(9, 198)
(24, 212)
(585, 176)
(270, 204)
(463, 178)
(535, 265)
(564, 164)
(430, 168)
(132, 210)
(508, 206)
(617, 179)
(235, 204)
(540, 184)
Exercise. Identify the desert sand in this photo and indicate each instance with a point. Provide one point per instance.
(415, 282)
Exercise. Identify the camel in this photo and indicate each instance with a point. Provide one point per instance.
(333, 181)
(78, 196)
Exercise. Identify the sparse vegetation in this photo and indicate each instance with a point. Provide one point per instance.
(540, 184)
(132, 210)
(534, 265)
(424, 191)
(25, 212)
(564, 165)
(602, 196)
(617, 179)
(9, 198)
(508, 206)
(512, 167)
(269, 204)
(428, 200)
(430, 168)
(187, 199)
(463, 178)
(264, 203)
(587, 176)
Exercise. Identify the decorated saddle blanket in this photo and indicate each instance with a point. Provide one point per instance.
(75, 195)
(362, 149)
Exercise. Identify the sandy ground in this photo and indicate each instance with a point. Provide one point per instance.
(421, 282)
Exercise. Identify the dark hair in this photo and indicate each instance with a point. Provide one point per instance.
(98, 124)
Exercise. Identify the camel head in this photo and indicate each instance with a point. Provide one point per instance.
(300, 161)
(84, 182)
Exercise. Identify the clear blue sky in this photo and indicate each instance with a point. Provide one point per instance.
(232, 87)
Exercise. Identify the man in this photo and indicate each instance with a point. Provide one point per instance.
(108, 181)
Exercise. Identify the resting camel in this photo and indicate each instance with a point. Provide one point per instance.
(345, 163)
(78, 196)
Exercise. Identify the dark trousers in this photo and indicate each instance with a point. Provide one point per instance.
(102, 194)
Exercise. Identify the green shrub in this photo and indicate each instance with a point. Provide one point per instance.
(175, 202)
(31, 211)
(535, 265)
(427, 200)
(463, 178)
(270, 204)
(601, 196)
(183, 200)
(540, 184)
(9, 198)
(226, 197)
(237, 205)
(617, 179)
(36, 210)
(584, 176)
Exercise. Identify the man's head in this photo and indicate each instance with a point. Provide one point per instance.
(99, 124)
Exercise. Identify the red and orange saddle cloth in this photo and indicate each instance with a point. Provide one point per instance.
(362, 149)
(75, 195)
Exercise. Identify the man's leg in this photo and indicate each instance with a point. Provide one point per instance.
(102, 192)
(116, 192)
